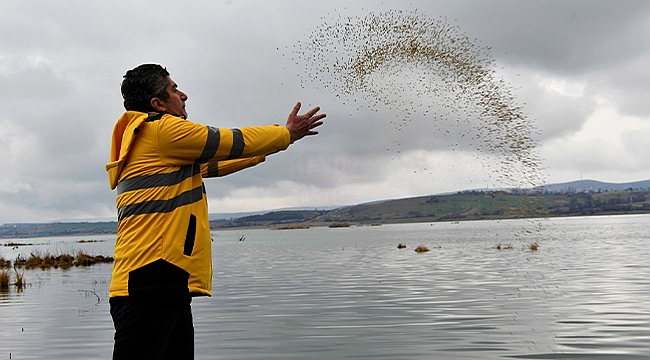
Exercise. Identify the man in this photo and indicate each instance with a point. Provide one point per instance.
(163, 246)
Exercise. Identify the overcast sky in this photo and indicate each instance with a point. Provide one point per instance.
(579, 69)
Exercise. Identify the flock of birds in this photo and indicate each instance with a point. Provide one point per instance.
(425, 70)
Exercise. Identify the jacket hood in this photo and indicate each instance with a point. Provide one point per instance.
(124, 134)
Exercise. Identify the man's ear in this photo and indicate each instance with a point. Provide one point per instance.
(158, 104)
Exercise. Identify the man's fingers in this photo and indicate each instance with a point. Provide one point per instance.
(315, 124)
(318, 117)
(296, 108)
(313, 111)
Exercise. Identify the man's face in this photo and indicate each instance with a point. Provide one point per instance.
(176, 103)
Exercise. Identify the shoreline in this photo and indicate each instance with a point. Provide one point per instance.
(17, 240)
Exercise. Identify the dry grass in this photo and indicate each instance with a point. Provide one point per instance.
(87, 260)
(45, 261)
(504, 247)
(20, 281)
(64, 261)
(4, 263)
(339, 225)
(421, 249)
(16, 244)
(4, 280)
(292, 227)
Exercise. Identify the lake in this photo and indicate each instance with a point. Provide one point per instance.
(350, 293)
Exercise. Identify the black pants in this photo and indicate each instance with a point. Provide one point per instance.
(152, 328)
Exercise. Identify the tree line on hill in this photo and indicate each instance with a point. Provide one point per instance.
(468, 205)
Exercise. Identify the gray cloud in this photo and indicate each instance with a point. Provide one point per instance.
(577, 68)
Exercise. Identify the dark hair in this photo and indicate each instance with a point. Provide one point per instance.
(142, 84)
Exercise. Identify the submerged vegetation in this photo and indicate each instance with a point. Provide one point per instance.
(504, 247)
(339, 225)
(64, 261)
(421, 249)
(5, 280)
(292, 227)
(48, 261)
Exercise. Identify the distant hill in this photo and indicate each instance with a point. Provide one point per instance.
(572, 186)
(594, 185)
(585, 197)
(230, 216)
(30, 230)
(467, 205)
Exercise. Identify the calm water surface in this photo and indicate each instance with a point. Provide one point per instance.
(349, 293)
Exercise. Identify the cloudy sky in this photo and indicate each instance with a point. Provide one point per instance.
(579, 70)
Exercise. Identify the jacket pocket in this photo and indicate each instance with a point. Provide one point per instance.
(190, 236)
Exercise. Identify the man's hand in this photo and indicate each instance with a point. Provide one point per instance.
(301, 125)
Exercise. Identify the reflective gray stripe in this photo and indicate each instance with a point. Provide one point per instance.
(161, 206)
(213, 170)
(151, 181)
(211, 145)
(237, 144)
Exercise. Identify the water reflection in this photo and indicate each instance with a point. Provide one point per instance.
(351, 293)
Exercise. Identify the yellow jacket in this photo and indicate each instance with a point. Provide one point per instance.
(163, 243)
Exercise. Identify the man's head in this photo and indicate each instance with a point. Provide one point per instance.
(148, 88)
